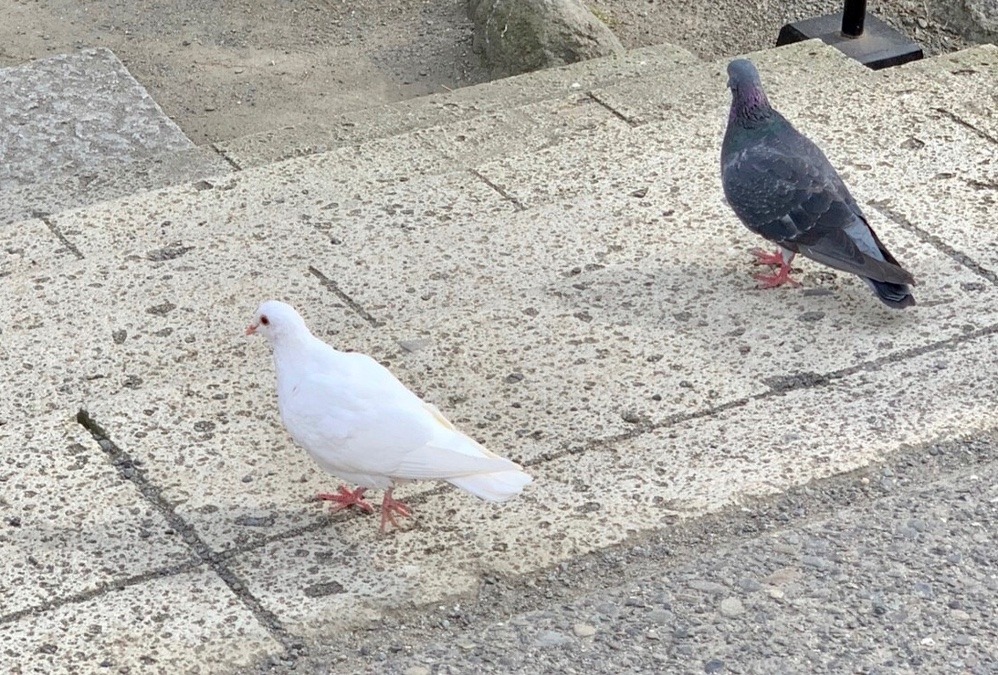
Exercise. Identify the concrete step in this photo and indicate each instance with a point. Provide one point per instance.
(440, 109)
(77, 128)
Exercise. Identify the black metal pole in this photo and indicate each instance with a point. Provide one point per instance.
(853, 15)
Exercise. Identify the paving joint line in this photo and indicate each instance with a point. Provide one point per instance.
(49, 223)
(103, 589)
(884, 208)
(130, 471)
(517, 204)
(225, 156)
(616, 113)
(351, 303)
(967, 125)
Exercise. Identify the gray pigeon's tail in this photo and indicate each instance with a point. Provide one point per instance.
(897, 296)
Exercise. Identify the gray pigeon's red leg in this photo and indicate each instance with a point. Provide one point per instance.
(390, 508)
(766, 258)
(346, 498)
(782, 276)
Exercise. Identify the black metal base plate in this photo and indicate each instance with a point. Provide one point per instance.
(880, 46)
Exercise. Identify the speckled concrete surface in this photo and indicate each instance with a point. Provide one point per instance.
(183, 623)
(584, 306)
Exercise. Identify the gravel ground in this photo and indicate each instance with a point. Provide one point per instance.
(902, 580)
(714, 30)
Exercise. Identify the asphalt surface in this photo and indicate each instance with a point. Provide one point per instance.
(888, 570)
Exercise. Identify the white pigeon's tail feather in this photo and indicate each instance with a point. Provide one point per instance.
(493, 487)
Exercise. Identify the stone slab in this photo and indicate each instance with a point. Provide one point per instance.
(69, 523)
(186, 623)
(75, 113)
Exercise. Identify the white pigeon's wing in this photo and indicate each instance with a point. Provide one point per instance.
(349, 428)
(374, 425)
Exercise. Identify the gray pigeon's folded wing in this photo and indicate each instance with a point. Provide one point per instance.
(798, 201)
(837, 248)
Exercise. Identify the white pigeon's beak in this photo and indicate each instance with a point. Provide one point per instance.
(251, 329)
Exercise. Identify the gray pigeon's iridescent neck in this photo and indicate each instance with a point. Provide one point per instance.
(749, 107)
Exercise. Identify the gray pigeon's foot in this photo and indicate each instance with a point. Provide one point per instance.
(781, 277)
(390, 508)
(346, 498)
(766, 258)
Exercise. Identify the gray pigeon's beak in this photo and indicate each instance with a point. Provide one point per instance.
(251, 329)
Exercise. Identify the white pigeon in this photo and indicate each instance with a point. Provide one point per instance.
(361, 424)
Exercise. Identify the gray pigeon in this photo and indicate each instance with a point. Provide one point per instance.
(782, 187)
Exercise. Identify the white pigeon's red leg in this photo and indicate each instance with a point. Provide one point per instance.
(390, 508)
(766, 258)
(346, 498)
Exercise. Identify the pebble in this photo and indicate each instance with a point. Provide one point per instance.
(817, 563)
(413, 345)
(584, 630)
(713, 666)
(417, 670)
(708, 586)
(776, 594)
(552, 638)
(959, 615)
(732, 607)
(660, 616)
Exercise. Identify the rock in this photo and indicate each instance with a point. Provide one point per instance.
(519, 36)
(584, 630)
(974, 19)
(731, 607)
(417, 670)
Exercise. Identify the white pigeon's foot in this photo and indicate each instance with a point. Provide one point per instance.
(390, 508)
(346, 498)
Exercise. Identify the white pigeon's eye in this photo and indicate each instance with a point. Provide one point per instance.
(264, 320)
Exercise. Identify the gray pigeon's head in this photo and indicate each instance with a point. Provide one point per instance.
(743, 76)
(748, 101)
